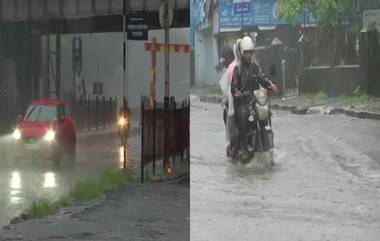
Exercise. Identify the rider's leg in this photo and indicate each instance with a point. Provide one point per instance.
(242, 119)
(225, 116)
(233, 136)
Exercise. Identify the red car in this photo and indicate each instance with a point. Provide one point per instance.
(46, 131)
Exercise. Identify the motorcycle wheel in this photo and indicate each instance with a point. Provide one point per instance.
(271, 162)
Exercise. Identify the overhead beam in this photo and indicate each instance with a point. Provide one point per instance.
(22, 10)
(99, 24)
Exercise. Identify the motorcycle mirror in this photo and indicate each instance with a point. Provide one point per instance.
(272, 70)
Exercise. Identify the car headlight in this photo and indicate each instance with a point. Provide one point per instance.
(17, 134)
(50, 135)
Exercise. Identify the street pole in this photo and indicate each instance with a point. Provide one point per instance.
(241, 26)
(58, 90)
(97, 67)
(167, 73)
(283, 78)
(74, 72)
(301, 44)
(124, 47)
(124, 77)
(154, 72)
(47, 81)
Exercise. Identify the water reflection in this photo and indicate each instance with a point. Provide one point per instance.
(15, 180)
(15, 192)
(15, 200)
(49, 180)
(121, 157)
(15, 184)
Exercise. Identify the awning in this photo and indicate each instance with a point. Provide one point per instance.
(263, 28)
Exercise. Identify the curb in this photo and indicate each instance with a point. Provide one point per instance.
(180, 170)
(303, 110)
(211, 99)
(358, 114)
(283, 107)
(171, 179)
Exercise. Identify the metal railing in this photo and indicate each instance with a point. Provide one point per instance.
(165, 133)
(95, 113)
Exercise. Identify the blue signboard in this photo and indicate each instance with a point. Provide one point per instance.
(261, 13)
(137, 27)
(242, 7)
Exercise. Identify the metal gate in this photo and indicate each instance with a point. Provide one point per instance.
(283, 65)
(165, 133)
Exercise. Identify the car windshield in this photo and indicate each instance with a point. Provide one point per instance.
(41, 113)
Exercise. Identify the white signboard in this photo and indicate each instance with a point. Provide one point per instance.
(371, 18)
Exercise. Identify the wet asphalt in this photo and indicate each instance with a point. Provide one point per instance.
(27, 179)
(325, 185)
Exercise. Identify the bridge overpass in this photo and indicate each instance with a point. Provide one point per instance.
(85, 16)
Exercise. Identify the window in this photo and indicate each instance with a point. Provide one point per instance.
(61, 111)
(41, 113)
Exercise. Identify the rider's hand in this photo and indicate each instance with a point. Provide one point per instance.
(273, 87)
(238, 93)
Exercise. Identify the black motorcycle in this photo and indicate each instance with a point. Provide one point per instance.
(259, 137)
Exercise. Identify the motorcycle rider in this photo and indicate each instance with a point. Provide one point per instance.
(247, 77)
(125, 115)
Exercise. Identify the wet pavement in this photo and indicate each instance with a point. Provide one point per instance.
(143, 212)
(325, 185)
(23, 181)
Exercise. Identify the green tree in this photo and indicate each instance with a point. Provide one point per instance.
(329, 13)
(331, 16)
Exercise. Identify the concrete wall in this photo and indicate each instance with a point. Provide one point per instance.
(7, 76)
(106, 52)
(206, 58)
(333, 81)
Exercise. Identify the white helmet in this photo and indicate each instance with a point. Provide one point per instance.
(246, 44)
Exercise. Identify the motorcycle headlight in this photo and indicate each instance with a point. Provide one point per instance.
(50, 135)
(261, 97)
(122, 121)
(16, 134)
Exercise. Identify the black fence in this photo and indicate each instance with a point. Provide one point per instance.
(94, 113)
(9, 110)
(165, 133)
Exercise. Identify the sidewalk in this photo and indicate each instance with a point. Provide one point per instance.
(154, 211)
(306, 105)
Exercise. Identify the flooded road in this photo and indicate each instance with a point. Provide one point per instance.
(325, 185)
(28, 179)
